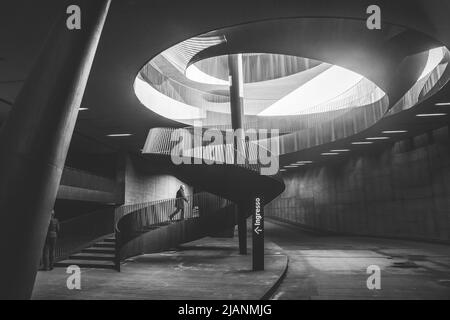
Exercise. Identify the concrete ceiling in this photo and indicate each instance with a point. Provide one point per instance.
(137, 30)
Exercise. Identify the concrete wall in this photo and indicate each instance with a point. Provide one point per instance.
(403, 191)
(142, 184)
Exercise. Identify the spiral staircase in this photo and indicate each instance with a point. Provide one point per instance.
(147, 228)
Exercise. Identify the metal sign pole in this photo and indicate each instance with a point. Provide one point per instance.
(258, 233)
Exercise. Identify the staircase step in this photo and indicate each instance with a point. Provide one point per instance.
(110, 239)
(93, 256)
(99, 250)
(86, 264)
(104, 244)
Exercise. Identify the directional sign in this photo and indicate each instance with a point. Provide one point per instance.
(258, 233)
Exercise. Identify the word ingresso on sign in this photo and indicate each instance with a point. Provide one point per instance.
(257, 225)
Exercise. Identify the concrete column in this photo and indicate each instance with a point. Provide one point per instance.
(236, 90)
(237, 114)
(34, 142)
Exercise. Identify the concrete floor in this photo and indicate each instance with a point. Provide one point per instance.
(320, 267)
(210, 268)
(331, 267)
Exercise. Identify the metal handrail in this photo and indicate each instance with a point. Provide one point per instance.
(136, 219)
(196, 97)
(80, 231)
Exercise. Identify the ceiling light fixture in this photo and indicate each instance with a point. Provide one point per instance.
(430, 114)
(439, 104)
(340, 150)
(362, 142)
(377, 138)
(329, 153)
(395, 131)
(119, 135)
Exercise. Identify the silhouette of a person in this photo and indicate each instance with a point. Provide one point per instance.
(179, 203)
(50, 242)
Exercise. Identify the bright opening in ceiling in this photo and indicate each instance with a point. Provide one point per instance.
(195, 74)
(326, 86)
(434, 58)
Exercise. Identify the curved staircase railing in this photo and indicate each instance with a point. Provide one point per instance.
(140, 219)
(425, 87)
(78, 232)
(146, 228)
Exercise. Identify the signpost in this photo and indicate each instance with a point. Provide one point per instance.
(258, 233)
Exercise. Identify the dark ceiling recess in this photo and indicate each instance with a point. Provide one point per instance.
(6, 101)
(11, 81)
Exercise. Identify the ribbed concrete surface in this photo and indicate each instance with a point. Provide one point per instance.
(403, 191)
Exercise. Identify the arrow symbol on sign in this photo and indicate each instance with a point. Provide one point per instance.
(257, 230)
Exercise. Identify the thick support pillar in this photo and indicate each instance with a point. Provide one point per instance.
(236, 90)
(237, 115)
(34, 142)
(258, 234)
